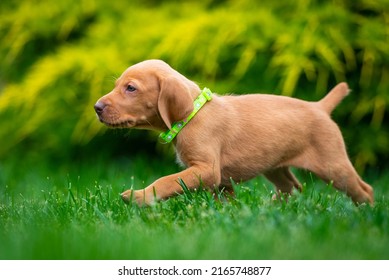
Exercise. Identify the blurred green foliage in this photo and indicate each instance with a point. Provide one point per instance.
(59, 57)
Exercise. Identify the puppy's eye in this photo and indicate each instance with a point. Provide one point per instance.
(130, 88)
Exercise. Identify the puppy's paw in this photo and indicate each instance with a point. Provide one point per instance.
(139, 197)
(127, 196)
(281, 196)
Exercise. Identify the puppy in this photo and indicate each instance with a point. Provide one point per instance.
(230, 137)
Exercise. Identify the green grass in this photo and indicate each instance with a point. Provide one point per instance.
(76, 213)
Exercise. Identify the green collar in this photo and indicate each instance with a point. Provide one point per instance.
(168, 136)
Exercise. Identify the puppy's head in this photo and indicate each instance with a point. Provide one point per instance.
(148, 95)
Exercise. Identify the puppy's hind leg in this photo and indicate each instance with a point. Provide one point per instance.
(284, 181)
(337, 168)
(346, 179)
(327, 158)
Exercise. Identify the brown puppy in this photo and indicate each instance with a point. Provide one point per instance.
(232, 137)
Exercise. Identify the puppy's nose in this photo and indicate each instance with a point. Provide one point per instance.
(99, 107)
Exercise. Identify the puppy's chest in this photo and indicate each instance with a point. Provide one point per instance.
(179, 160)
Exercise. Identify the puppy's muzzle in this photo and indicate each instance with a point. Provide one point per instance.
(99, 108)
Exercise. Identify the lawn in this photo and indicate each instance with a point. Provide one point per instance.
(59, 212)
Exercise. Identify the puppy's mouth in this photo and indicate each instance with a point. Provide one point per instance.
(128, 123)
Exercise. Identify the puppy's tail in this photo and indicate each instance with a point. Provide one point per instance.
(333, 98)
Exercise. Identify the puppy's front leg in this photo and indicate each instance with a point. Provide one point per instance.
(168, 186)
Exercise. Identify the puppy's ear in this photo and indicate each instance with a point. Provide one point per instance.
(175, 102)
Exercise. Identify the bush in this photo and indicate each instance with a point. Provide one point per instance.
(60, 57)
